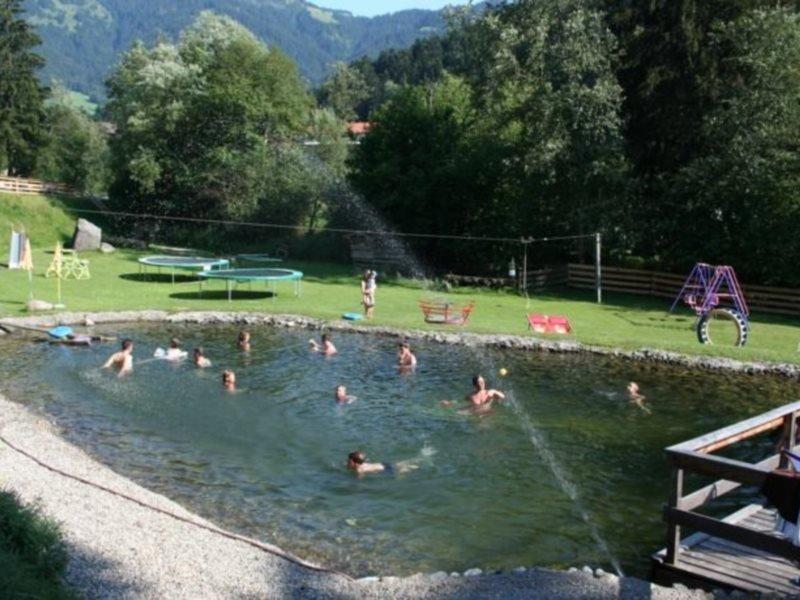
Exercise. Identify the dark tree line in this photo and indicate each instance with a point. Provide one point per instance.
(670, 126)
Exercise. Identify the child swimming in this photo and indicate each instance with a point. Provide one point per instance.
(357, 462)
(244, 340)
(342, 397)
(229, 380)
(325, 345)
(200, 359)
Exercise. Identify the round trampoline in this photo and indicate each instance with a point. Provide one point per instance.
(270, 277)
(257, 258)
(183, 263)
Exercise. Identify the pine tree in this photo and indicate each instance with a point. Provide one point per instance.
(21, 95)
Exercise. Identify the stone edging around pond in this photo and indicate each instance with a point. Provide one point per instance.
(499, 341)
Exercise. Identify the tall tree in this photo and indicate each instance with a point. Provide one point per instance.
(21, 96)
(739, 196)
(202, 124)
(551, 90)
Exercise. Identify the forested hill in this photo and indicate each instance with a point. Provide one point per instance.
(82, 39)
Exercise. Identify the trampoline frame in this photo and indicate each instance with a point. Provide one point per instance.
(270, 283)
(208, 264)
(257, 258)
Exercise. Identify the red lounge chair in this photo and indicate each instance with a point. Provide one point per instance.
(446, 313)
(538, 323)
(544, 324)
(559, 325)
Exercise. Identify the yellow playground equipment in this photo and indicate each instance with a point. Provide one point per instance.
(66, 264)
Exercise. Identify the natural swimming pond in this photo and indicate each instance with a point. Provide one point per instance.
(569, 473)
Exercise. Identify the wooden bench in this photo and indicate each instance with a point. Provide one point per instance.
(445, 312)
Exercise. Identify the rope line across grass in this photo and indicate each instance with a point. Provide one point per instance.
(267, 548)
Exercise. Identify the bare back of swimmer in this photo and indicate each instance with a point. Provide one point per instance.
(123, 359)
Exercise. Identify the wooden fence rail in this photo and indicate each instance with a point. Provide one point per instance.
(19, 185)
(784, 301)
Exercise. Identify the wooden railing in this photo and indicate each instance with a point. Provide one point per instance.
(695, 456)
(19, 185)
(785, 301)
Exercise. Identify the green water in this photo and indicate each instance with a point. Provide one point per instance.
(568, 473)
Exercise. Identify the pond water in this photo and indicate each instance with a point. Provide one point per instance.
(568, 473)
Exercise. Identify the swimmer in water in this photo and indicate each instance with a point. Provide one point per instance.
(200, 359)
(325, 346)
(342, 397)
(122, 360)
(244, 340)
(405, 358)
(635, 397)
(174, 351)
(357, 462)
(229, 380)
(480, 398)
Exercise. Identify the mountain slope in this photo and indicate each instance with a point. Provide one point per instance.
(82, 39)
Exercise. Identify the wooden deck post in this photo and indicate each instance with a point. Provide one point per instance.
(673, 530)
(789, 436)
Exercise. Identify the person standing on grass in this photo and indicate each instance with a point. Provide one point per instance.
(122, 360)
(368, 287)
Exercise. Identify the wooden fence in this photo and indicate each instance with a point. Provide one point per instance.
(19, 185)
(783, 301)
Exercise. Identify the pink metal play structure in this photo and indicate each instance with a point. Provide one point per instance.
(712, 286)
(714, 291)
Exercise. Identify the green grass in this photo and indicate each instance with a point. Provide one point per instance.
(32, 553)
(45, 219)
(623, 321)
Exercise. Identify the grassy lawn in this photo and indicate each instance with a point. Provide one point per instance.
(623, 321)
(32, 554)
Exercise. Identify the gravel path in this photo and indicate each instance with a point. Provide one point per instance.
(120, 549)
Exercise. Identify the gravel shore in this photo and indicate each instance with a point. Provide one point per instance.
(121, 549)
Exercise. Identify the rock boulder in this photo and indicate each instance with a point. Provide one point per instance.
(88, 236)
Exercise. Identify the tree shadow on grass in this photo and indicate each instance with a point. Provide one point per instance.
(158, 278)
(222, 295)
(667, 322)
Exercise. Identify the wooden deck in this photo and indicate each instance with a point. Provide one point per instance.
(742, 551)
(712, 562)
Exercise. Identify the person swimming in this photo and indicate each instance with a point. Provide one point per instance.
(229, 380)
(123, 359)
(357, 462)
(405, 358)
(636, 397)
(174, 352)
(200, 359)
(244, 340)
(325, 345)
(481, 398)
(342, 397)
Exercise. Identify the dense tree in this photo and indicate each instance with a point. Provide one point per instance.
(76, 150)
(430, 165)
(204, 125)
(739, 194)
(344, 91)
(21, 96)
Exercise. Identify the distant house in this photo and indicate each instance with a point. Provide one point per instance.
(358, 129)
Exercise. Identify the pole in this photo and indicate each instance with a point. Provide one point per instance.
(598, 275)
(525, 267)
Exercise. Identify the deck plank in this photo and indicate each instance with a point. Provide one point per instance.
(733, 565)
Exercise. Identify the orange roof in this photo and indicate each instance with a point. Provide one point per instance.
(359, 127)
